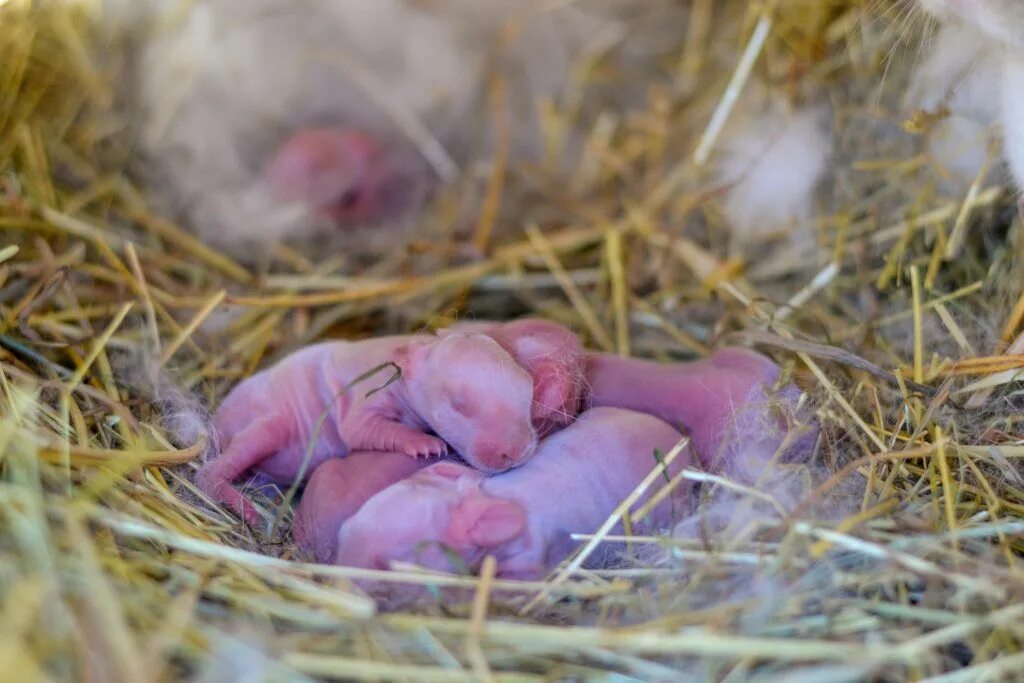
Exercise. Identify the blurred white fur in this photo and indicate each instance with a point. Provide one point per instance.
(218, 84)
(1013, 115)
(773, 156)
(960, 74)
(182, 416)
(241, 658)
(993, 89)
(739, 520)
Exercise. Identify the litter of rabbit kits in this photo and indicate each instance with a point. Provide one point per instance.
(882, 282)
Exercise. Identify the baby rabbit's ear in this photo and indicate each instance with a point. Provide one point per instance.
(491, 522)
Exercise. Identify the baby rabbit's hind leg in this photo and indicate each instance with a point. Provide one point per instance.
(245, 450)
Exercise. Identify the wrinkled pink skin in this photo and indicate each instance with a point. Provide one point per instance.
(524, 517)
(336, 172)
(336, 491)
(552, 354)
(721, 401)
(463, 387)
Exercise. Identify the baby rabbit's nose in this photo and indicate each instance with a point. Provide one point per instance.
(494, 456)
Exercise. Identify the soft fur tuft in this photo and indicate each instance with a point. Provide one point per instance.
(218, 84)
(774, 156)
(181, 415)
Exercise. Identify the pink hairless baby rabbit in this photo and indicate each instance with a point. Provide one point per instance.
(463, 387)
(336, 491)
(724, 403)
(525, 517)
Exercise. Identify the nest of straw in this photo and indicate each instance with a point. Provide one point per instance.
(894, 554)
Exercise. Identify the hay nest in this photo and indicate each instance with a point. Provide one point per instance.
(893, 555)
